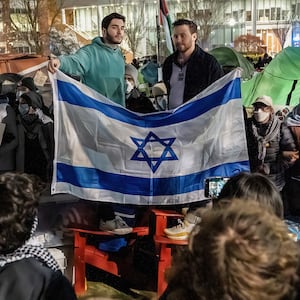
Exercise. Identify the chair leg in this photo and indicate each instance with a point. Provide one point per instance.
(163, 264)
(79, 263)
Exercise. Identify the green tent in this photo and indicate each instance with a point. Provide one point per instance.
(230, 59)
(278, 80)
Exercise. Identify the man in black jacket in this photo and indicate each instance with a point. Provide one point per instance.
(189, 70)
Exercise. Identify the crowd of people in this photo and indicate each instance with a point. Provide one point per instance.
(28, 142)
(236, 251)
(28, 145)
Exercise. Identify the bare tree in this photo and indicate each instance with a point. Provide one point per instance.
(207, 15)
(31, 23)
(6, 23)
(25, 23)
(136, 30)
(281, 32)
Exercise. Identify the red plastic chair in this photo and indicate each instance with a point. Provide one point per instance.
(88, 254)
(164, 245)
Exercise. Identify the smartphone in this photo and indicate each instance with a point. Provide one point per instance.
(214, 185)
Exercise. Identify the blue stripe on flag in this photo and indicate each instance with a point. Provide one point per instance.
(96, 140)
(190, 110)
(97, 179)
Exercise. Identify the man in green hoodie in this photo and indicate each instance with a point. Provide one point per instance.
(100, 65)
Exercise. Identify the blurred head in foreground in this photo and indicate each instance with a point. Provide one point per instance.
(240, 252)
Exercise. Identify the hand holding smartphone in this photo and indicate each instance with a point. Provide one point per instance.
(214, 185)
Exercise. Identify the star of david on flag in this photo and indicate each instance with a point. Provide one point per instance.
(153, 161)
(104, 152)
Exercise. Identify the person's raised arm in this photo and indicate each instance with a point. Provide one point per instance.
(53, 65)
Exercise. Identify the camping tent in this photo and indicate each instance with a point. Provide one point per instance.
(279, 80)
(230, 59)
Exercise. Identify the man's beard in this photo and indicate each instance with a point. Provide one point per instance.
(110, 39)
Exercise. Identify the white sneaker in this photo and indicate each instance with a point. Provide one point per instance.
(180, 231)
(116, 226)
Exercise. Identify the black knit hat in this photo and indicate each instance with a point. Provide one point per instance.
(29, 83)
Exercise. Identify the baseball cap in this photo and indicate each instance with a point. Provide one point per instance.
(266, 100)
(159, 89)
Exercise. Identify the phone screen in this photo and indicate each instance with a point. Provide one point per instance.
(214, 185)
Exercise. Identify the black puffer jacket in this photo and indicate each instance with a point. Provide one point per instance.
(28, 279)
(283, 141)
(202, 70)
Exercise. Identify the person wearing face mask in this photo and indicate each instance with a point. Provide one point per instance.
(36, 139)
(135, 100)
(27, 86)
(271, 145)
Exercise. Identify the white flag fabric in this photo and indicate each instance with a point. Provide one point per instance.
(104, 152)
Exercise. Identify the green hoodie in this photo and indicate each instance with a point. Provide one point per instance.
(100, 67)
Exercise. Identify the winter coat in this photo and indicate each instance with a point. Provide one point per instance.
(274, 161)
(10, 139)
(36, 148)
(139, 102)
(100, 67)
(202, 70)
(28, 279)
(292, 188)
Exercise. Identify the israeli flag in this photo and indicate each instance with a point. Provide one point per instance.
(104, 152)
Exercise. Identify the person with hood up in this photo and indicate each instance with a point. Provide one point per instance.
(27, 85)
(36, 139)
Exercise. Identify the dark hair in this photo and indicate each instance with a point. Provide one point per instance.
(106, 20)
(237, 252)
(192, 25)
(253, 186)
(19, 195)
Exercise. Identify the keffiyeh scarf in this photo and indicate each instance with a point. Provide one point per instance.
(272, 131)
(28, 250)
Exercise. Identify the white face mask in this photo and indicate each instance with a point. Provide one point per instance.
(129, 86)
(260, 115)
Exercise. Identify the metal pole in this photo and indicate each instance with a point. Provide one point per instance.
(253, 17)
(158, 39)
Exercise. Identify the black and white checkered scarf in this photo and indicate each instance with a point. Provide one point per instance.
(28, 250)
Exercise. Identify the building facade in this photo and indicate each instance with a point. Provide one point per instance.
(270, 20)
(220, 22)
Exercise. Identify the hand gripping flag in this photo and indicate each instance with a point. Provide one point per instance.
(104, 152)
